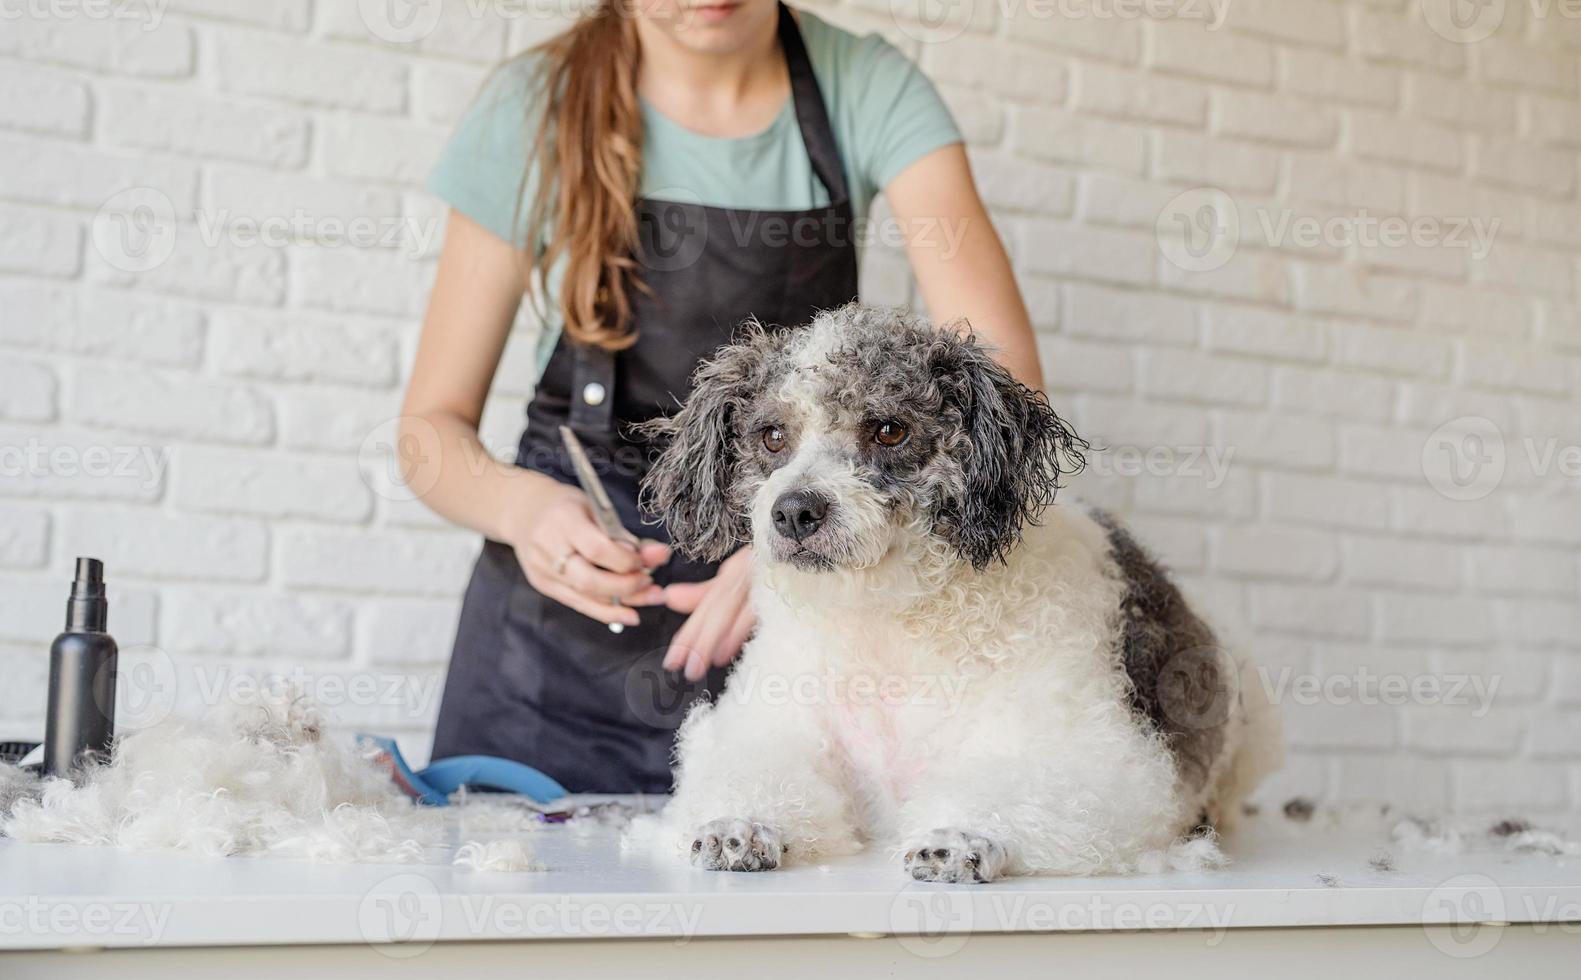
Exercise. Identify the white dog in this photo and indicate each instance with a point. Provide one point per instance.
(946, 661)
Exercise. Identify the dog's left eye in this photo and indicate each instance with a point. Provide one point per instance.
(890, 434)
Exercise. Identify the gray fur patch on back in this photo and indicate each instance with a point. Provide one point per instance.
(1172, 660)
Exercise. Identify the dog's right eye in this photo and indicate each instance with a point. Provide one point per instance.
(773, 439)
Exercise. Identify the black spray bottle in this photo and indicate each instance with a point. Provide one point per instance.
(81, 716)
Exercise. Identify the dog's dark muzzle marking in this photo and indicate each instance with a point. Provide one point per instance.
(799, 514)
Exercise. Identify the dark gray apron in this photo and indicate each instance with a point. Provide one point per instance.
(536, 681)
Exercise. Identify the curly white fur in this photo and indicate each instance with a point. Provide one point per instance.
(506, 854)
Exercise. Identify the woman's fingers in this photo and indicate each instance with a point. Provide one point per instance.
(604, 612)
(653, 553)
(720, 618)
(715, 618)
(590, 541)
(681, 643)
(736, 637)
(685, 596)
(635, 589)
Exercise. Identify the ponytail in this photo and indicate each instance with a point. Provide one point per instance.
(589, 161)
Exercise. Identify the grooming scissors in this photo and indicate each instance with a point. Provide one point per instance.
(603, 510)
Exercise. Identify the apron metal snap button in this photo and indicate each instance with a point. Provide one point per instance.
(593, 393)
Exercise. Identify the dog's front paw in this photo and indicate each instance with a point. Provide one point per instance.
(737, 845)
(955, 856)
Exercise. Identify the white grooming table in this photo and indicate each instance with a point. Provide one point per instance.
(1297, 901)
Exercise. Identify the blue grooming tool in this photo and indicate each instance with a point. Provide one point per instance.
(434, 785)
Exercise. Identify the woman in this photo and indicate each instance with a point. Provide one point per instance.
(649, 180)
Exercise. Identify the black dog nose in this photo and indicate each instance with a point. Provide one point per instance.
(799, 513)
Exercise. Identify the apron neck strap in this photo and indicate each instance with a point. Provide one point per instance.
(812, 115)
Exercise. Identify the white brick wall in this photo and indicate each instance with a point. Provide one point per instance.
(210, 422)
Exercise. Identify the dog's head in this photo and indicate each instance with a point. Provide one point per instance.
(825, 446)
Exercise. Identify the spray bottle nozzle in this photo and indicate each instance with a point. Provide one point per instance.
(87, 610)
(89, 583)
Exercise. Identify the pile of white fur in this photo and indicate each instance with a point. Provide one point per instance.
(261, 779)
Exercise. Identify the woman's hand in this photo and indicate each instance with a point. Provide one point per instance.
(721, 617)
(570, 559)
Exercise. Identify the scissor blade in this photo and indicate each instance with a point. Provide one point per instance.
(603, 510)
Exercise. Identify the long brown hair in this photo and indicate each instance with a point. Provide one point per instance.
(588, 163)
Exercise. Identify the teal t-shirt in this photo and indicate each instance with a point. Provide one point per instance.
(884, 111)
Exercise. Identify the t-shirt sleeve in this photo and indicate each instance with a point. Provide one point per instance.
(900, 115)
(480, 171)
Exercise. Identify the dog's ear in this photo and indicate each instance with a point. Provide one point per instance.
(1012, 449)
(689, 485)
